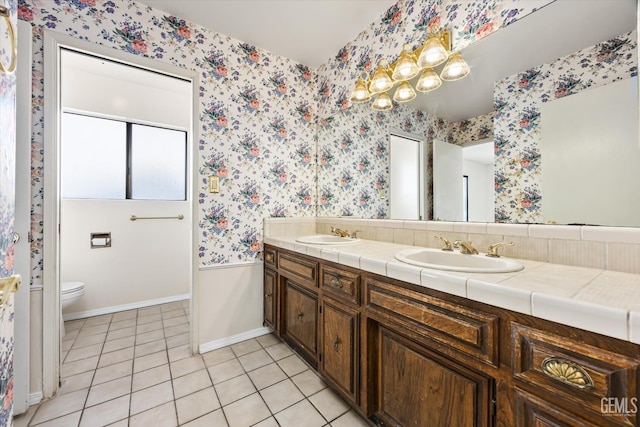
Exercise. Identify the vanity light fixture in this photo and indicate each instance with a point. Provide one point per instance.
(434, 52)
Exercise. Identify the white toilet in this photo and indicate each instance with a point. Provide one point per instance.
(70, 292)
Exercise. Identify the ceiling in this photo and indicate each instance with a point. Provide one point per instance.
(307, 31)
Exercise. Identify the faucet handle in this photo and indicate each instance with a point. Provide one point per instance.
(446, 243)
(493, 249)
(465, 247)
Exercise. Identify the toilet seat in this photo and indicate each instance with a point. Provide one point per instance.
(71, 287)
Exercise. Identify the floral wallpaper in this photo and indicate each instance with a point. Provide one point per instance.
(409, 21)
(517, 102)
(353, 155)
(7, 213)
(257, 118)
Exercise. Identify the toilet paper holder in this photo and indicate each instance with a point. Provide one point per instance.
(100, 240)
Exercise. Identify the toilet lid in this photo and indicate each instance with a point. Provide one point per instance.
(68, 287)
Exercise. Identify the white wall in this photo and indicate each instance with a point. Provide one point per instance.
(147, 260)
(481, 190)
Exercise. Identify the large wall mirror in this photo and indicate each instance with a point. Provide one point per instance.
(524, 79)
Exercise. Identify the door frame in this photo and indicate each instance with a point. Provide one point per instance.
(422, 170)
(53, 43)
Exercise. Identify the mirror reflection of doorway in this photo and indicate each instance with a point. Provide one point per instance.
(406, 178)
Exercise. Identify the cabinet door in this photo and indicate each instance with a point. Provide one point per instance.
(339, 347)
(270, 299)
(417, 387)
(301, 320)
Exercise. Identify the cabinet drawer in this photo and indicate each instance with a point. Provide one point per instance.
(270, 256)
(340, 283)
(582, 374)
(300, 267)
(472, 332)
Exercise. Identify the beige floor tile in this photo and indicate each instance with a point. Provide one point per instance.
(269, 422)
(197, 404)
(70, 420)
(90, 340)
(255, 360)
(98, 320)
(186, 366)
(191, 383)
(160, 416)
(234, 389)
(150, 377)
(147, 318)
(121, 333)
(247, 411)
(110, 390)
(65, 346)
(122, 324)
(329, 404)
(225, 371)
(151, 347)
(121, 423)
(106, 413)
(23, 420)
(73, 325)
(83, 352)
(107, 359)
(308, 382)
(149, 336)
(61, 405)
(177, 340)
(174, 321)
(292, 365)
(179, 353)
(245, 347)
(267, 375)
(218, 356)
(119, 344)
(350, 419)
(172, 331)
(75, 382)
(71, 335)
(148, 327)
(172, 313)
(171, 306)
(150, 361)
(268, 340)
(79, 366)
(86, 331)
(212, 419)
(112, 372)
(303, 410)
(281, 395)
(151, 397)
(124, 315)
(148, 310)
(279, 351)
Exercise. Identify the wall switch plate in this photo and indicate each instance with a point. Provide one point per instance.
(214, 184)
(382, 193)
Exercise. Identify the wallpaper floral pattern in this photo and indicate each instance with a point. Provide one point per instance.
(517, 102)
(408, 21)
(353, 155)
(7, 215)
(257, 118)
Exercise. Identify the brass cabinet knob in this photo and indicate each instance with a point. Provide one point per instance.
(336, 283)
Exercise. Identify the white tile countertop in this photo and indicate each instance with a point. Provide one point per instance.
(602, 301)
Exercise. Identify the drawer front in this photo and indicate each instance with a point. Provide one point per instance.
(299, 267)
(582, 374)
(340, 283)
(270, 256)
(470, 331)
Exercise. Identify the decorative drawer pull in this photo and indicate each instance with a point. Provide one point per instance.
(336, 283)
(268, 256)
(300, 315)
(336, 343)
(268, 295)
(567, 372)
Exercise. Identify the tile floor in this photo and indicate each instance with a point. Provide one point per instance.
(134, 368)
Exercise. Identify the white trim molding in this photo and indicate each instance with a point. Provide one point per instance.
(124, 307)
(223, 342)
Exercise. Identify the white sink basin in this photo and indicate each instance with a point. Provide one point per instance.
(455, 261)
(326, 239)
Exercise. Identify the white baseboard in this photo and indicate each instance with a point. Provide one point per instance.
(35, 398)
(124, 307)
(214, 345)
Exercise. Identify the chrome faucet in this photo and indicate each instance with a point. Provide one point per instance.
(338, 232)
(446, 243)
(465, 247)
(493, 249)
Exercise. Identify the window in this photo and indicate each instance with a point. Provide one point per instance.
(110, 159)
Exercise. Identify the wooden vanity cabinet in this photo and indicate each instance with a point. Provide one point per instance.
(405, 355)
(270, 289)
